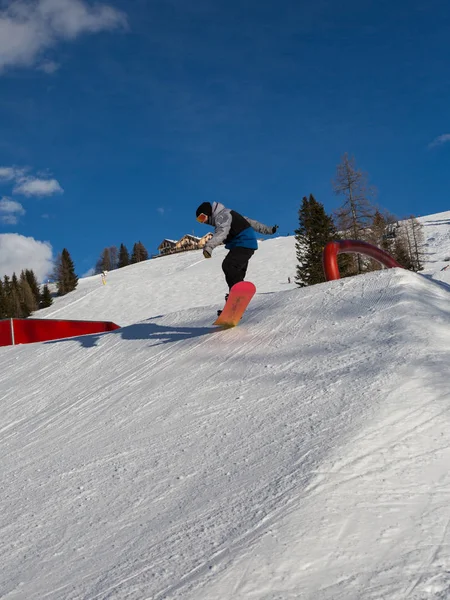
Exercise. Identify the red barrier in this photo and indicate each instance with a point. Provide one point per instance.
(6, 332)
(27, 331)
(332, 249)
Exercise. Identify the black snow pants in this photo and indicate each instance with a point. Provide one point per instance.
(235, 264)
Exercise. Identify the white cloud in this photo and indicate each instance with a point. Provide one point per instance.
(161, 211)
(29, 27)
(18, 252)
(25, 185)
(49, 67)
(441, 139)
(29, 185)
(9, 173)
(32, 186)
(9, 211)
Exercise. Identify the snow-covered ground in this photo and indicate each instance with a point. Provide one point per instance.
(303, 454)
(436, 229)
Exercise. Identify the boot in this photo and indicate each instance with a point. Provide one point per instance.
(219, 312)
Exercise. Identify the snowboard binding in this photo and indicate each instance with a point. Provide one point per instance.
(219, 312)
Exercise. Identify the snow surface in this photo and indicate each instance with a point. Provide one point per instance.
(303, 454)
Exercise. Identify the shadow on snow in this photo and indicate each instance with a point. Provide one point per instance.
(160, 334)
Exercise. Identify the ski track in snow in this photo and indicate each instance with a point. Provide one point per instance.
(303, 454)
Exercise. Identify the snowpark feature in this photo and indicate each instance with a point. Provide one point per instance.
(303, 454)
(28, 331)
(332, 249)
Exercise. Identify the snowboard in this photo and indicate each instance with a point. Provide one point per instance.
(240, 295)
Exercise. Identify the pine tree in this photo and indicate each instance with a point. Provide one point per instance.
(315, 230)
(46, 299)
(3, 306)
(400, 252)
(11, 297)
(33, 283)
(124, 257)
(16, 298)
(64, 273)
(28, 302)
(7, 302)
(139, 253)
(356, 213)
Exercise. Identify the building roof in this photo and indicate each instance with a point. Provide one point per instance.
(189, 235)
(173, 242)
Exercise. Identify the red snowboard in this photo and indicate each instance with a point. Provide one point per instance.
(240, 295)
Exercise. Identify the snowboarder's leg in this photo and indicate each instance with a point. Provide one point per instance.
(235, 265)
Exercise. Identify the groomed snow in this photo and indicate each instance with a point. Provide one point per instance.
(302, 455)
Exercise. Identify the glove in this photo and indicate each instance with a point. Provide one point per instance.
(206, 254)
(274, 229)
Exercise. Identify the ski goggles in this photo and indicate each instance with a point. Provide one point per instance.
(202, 218)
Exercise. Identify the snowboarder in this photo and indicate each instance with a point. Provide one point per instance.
(238, 235)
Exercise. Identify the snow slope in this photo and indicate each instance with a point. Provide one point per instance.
(304, 454)
(437, 245)
(173, 283)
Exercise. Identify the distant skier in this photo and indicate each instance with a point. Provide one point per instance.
(238, 235)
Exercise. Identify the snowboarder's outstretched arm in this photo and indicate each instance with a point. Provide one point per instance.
(261, 228)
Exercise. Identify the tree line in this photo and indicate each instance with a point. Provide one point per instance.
(21, 296)
(112, 258)
(357, 218)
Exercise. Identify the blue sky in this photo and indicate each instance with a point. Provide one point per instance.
(117, 119)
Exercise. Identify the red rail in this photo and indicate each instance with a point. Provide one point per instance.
(332, 249)
(27, 331)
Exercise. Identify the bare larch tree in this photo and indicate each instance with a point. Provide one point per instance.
(355, 216)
